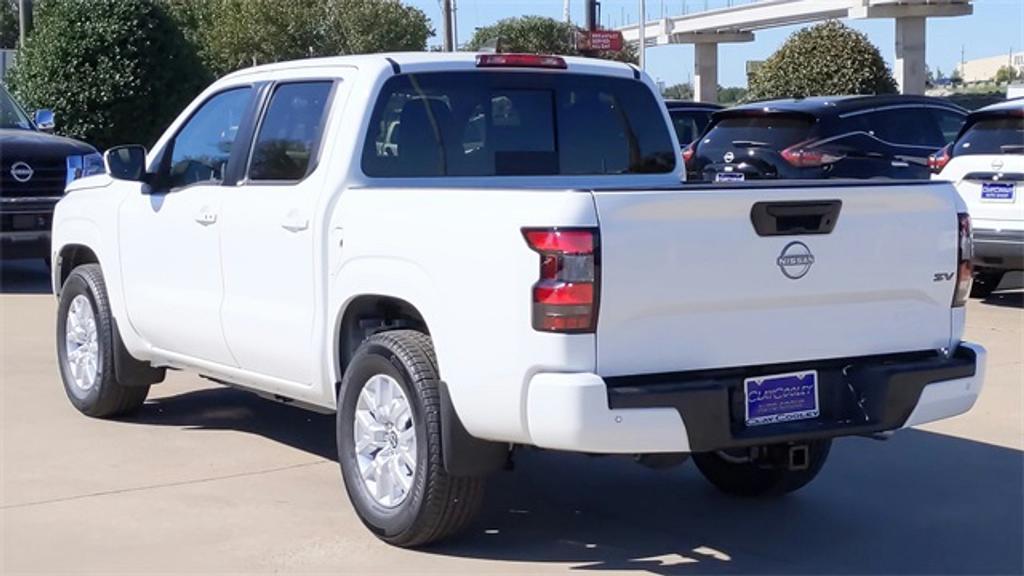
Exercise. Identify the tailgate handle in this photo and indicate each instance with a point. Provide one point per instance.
(795, 218)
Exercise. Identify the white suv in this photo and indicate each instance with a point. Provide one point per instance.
(986, 163)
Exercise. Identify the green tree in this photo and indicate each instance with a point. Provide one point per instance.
(8, 24)
(540, 35)
(731, 95)
(235, 34)
(114, 71)
(826, 59)
(1006, 74)
(682, 91)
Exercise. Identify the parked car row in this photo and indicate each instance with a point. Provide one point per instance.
(867, 137)
(823, 137)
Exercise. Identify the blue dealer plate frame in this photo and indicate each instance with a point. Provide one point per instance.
(780, 398)
(998, 191)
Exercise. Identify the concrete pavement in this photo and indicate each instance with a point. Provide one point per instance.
(208, 479)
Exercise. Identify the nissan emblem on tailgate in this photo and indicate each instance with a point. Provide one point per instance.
(795, 261)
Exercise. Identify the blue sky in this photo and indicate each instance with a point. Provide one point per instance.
(995, 27)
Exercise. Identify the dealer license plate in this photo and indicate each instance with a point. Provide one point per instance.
(729, 177)
(781, 398)
(997, 191)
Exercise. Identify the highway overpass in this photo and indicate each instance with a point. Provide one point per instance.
(706, 30)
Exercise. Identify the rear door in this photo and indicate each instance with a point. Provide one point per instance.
(268, 235)
(687, 283)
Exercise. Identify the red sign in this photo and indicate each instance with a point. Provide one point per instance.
(601, 40)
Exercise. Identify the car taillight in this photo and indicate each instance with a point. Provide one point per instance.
(964, 267)
(938, 161)
(801, 156)
(565, 296)
(520, 61)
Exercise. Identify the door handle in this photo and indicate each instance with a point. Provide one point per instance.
(206, 217)
(295, 222)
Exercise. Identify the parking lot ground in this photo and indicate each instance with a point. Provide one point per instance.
(207, 479)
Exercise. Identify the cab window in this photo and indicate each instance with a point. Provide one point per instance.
(289, 135)
(201, 149)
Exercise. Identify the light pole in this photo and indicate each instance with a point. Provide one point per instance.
(643, 33)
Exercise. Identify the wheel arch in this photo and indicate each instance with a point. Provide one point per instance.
(365, 314)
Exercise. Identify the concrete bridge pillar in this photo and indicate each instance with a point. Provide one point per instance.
(705, 72)
(910, 54)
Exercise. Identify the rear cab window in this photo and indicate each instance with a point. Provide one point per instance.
(992, 135)
(484, 123)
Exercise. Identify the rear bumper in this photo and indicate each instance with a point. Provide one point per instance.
(999, 249)
(703, 411)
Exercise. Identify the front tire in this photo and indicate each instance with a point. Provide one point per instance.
(762, 471)
(389, 444)
(85, 348)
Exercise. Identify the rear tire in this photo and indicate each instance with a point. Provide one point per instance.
(761, 472)
(392, 383)
(85, 348)
(985, 283)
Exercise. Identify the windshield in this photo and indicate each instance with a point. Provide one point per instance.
(1003, 135)
(11, 115)
(515, 124)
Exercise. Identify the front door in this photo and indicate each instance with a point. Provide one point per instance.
(170, 237)
(267, 236)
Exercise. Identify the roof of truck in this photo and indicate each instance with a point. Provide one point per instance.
(418, 61)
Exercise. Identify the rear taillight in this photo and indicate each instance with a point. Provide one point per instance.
(964, 254)
(520, 61)
(938, 161)
(565, 296)
(803, 156)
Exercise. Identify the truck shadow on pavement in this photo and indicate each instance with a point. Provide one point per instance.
(918, 503)
(24, 277)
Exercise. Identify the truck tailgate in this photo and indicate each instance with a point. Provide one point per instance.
(687, 283)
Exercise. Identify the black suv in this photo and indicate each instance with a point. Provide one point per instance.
(690, 118)
(825, 137)
(36, 166)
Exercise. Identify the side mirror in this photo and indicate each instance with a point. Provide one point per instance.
(126, 162)
(44, 120)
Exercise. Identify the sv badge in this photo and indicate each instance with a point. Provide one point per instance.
(943, 276)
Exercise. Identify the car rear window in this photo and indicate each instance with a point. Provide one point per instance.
(515, 124)
(775, 131)
(1003, 135)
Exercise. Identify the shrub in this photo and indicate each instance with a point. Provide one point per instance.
(240, 33)
(822, 60)
(114, 71)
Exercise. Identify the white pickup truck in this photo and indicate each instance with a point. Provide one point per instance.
(462, 254)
